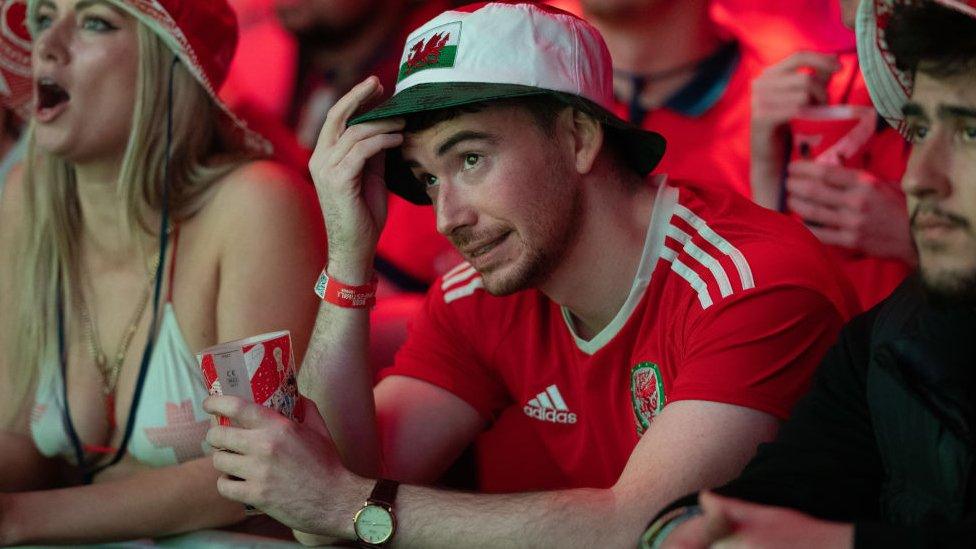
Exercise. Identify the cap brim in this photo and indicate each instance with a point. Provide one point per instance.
(641, 149)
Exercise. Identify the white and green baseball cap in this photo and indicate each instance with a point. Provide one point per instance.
(889, 86)
(501, 50)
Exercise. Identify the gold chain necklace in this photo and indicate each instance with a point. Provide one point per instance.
(109, 371)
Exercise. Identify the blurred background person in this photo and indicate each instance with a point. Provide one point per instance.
(854, 205)
(263, 69)
(101, 311)
(680, 73)
(684, 67)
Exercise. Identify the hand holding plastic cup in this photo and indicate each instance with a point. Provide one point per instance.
(833, 134)
(258, 369)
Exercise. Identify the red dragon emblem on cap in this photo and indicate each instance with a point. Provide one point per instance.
(426, 53)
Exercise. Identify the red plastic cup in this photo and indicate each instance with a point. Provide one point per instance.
(259, 369)
(833, 134)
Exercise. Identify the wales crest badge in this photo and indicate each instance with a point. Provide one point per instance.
(646, 393)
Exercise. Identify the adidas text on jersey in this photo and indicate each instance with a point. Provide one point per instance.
(549, 406)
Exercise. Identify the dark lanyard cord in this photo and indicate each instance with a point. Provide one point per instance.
(88, 469)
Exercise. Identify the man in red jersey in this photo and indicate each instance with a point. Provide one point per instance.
(648, 334)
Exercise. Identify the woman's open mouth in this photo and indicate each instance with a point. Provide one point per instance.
(51, 100)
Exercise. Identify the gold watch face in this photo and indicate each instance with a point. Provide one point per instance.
(374, 524)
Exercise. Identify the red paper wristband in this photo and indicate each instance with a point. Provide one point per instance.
(344, 295)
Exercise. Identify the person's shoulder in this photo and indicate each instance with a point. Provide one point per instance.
(742, 222)
(260, 202)
(259, 194)
(261, 186)
(462, 291)
(718, 211)
(764, 248)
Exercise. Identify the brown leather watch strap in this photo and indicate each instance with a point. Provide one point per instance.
(384, 492)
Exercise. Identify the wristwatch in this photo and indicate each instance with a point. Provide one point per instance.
(375, 522)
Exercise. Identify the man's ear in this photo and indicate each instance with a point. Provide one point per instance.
(588, 138)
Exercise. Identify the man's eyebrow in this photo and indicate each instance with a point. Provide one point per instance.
(453, 141)
(956, 111)
(913, 109)
(467, 135)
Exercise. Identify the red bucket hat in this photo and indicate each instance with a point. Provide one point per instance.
(202, 33)
(16, 86)
(890, 88)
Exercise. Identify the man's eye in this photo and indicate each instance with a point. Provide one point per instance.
(917, 133)
(471, 160)
(428, 180)
(969, 134)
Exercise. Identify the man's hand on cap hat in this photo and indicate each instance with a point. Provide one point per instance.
(850, 208)
(347, 167)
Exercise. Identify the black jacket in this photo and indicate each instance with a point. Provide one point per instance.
(885, 439)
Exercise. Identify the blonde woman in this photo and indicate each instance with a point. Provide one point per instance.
(135, 235)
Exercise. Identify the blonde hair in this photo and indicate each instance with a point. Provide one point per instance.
(48, 247)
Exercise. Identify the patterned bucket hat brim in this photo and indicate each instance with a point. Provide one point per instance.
(499, 50)
(890, 88)
(203, 34)
(16, 85)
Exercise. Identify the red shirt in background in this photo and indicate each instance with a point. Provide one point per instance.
(706, 124)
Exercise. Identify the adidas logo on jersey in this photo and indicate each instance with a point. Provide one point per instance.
(549, 406)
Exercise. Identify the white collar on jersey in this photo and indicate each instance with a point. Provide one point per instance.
(664, 203)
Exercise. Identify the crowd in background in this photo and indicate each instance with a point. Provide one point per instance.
(695, 71)
(723, 81)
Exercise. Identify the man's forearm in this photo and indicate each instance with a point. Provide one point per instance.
(433, 518)
(578, 518)
(337, 376)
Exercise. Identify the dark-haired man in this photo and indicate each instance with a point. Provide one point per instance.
(881, 453)
(649, 334)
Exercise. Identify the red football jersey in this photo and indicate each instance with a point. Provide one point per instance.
(731, 303)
